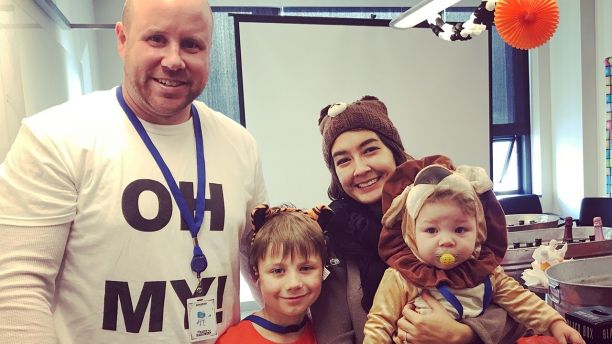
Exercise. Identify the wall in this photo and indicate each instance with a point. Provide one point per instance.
(56, 62)
(568, 122)
(11, 91)
(110, 62)
(281, 54)
(109, 8)
(568, 107)
(52, 62)
(108, 12)
(567, 91)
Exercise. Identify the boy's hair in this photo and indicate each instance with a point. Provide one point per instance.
(288, 231)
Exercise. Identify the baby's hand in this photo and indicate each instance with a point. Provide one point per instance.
(565, 334)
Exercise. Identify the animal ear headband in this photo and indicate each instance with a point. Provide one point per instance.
(322, 214)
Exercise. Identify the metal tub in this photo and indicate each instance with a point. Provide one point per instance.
(518, 259)
(522, 222)
(580, 283)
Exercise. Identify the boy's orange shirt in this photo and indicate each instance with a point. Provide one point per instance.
(245, 332)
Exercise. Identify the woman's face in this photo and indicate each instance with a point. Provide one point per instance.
(362, 163)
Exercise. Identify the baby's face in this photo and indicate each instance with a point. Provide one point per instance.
(442, 228)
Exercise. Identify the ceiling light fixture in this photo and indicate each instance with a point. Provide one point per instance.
(421, 12)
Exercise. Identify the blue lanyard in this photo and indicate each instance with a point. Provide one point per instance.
(268, 325)
(198, 262)
(452, 299)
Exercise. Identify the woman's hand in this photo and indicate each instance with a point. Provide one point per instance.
(433, 328)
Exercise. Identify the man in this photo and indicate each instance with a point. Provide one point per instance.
(116, 209)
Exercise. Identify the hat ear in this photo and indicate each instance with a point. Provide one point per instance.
(258, 216)
(322, 214)
(325, 216)
(477, 176)
(323, 113)
(432, 174)
(397, 208)
(368, 97)
(375, 103)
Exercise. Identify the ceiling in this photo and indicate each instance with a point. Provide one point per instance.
(12, 15)
(78, 13)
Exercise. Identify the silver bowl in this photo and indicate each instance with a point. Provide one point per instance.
(522, 222)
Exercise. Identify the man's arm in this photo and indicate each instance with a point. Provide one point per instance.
(30, 258)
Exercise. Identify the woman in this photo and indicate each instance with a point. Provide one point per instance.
(362, 149)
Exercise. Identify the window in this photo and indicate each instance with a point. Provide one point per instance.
(511, 119)
(510, 125)
(505, 173)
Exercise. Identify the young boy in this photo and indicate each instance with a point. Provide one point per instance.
(286, 258)
(443, 224)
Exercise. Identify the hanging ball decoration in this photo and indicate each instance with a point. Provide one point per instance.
(526, 24)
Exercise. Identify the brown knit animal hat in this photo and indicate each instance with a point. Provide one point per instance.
(368, 113)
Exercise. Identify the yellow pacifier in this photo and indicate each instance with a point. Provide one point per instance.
(447, 259)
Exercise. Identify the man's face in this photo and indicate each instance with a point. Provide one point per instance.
(165, 46)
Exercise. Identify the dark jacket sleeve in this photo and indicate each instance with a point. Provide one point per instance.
(330, 313)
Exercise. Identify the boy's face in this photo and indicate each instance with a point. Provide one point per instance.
(289, 285)
(442, 227)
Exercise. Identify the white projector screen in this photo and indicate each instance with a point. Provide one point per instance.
(437, 92)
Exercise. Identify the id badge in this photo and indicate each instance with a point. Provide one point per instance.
(202, 317)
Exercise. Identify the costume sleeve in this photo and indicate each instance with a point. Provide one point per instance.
(30, 258)
(259, 196)
(331, 312)
(391, 297)
(495, 326)
(522, 304)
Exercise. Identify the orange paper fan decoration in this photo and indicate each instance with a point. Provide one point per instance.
(526, 24)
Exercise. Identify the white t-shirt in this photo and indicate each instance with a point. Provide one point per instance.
(126, 270)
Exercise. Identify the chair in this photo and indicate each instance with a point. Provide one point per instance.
(591, 207)
(521, 204)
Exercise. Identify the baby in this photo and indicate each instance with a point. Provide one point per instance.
(443, 224)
